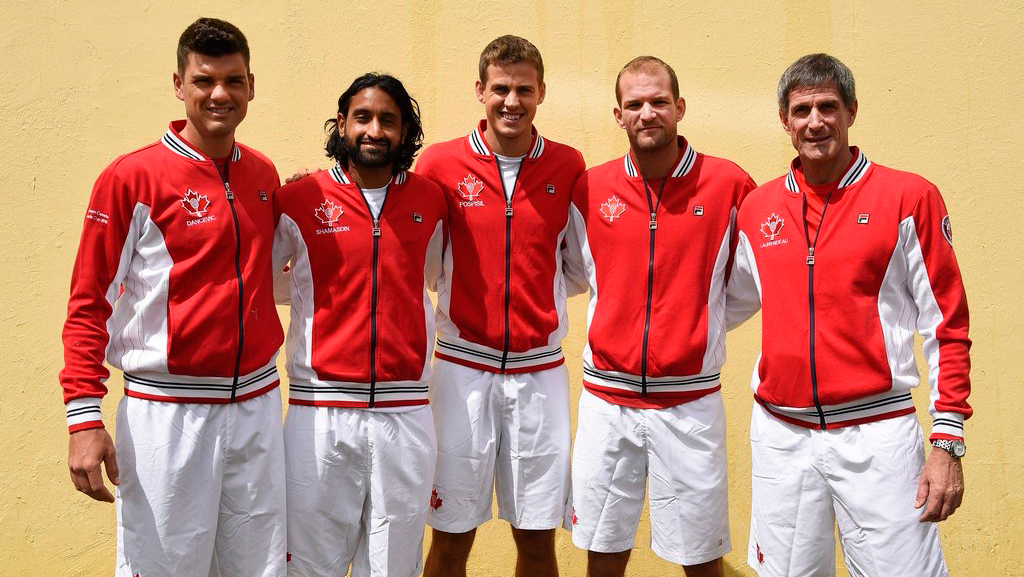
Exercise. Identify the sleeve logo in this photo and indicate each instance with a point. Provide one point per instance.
(947, 230)
(328, 213)
(195, 204)
(612, 208)
(772, 227)
(470, 187)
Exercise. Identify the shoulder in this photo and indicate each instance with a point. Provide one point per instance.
(439, 152)
(724, 168)
(908, 182)
(762, 195)
(558, 152)
(257, 159)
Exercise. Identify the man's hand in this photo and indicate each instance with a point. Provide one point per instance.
(941, 488)
(86, 450)
(302, 173)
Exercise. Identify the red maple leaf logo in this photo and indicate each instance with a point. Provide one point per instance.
(760, 555)
(435, 501)
(613, 208)
(470, 187)
(772, 227)
(328, 213)
(194, 203)
(575, 519)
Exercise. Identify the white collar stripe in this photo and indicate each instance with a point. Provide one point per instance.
(791, 182)
(400, 177)
(630, 169)
(685, 163)
(476, 142)
(178, 147)
(236, 154)
(856, 171)
(339, 175)
(538, 147)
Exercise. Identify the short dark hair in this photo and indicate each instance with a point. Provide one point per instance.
(211, 37)
(647, 65)
(410, 119)
(815, 70)
(509, 49)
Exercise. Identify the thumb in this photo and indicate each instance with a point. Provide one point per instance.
(110, 463)
(922, 492)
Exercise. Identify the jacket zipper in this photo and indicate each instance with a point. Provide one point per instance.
(810, 300)
(224, 175)
(652, 207)
(374, 289)
(508, 255)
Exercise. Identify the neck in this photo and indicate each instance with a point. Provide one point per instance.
(368, 177)
(824, 172)
(517, 146)
(657, 163)
(213, 147)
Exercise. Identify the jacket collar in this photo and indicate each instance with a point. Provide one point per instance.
(478, 144)
(175, 143)
(339, 175)
(687, 158)
(858, 168)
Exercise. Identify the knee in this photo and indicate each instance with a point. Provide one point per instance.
(710, 569)
(532, 543)
(452, 545)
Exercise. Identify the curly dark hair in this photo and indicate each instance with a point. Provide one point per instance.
(211, 37)
(408, 106)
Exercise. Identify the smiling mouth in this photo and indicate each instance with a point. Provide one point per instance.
(818, 139)
(220, 110)
(510, 117)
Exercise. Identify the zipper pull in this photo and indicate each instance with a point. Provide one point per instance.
(810, 256)
(654, 222)
(508, 209)
(227, 191)
(376, 228)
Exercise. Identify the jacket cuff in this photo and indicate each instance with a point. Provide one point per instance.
(84, 413)
(948, 426)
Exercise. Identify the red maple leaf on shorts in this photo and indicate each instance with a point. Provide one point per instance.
(435, 501)
(575, 519)
(760, 555)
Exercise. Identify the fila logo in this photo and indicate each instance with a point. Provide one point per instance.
(470, 187)
(613, 208)
(698, 210)
(328, 213)
(263, 196)
(862, 218)
(772, 227)
(550, 188)
(417, 217)
(195, 204)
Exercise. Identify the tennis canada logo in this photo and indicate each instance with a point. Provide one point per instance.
(469, 189)
(435, 501)
(328, 213)
(196, 205)
(947, 230)
(612, 208)
(772, 228)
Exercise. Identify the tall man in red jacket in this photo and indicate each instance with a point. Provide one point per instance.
(364, 240)
(652, 241)
(847, 260)
(500, 389)
(172, 285)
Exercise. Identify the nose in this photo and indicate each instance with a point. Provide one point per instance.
(374, 129)
(815, 120)
(220, 93)
(647, 112)
(511, 100)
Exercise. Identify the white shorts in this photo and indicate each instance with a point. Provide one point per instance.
(202, 488)
(510, 432)
(358, 490)
(678, 451)
(863, 476)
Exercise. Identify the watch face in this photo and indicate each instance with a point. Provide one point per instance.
(959, 449)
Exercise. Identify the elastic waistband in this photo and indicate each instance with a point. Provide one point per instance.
(352, 394)
(192, 389)
(485, 358)
(864, 410)
(676, 386)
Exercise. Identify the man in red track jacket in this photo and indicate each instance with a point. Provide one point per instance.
(500, 389)
(364, 240)
(652, 241)
(172, 285)
(847, 260)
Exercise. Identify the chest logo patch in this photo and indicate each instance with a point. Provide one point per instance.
(863, 218)
(470, 187)
(698, 210)
(328, 213)
(612, 208)
(195, 204)
(772, 227)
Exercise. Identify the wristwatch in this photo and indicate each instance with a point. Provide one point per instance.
(956, 449)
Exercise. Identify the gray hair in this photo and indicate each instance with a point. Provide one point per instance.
(817, 70)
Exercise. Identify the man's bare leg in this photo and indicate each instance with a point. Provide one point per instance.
(710, 569)
(536, 553)
(607, 564)
(448, 554)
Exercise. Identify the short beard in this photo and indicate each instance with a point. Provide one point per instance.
(649, 145)
(368, 159)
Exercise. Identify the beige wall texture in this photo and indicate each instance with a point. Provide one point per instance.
(940, 94)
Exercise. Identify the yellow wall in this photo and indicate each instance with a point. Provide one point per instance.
(940, 94)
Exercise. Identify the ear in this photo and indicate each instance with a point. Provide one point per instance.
(784, 119)
(617, 112)
(480, 91)
(179, 82)
(853, 112)
(680, 108)
(341, 124)
(252, 87)
(543, 90)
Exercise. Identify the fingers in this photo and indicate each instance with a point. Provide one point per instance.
(922, 492)
(96, 489)
(301, 173)
(110, 464)
(942, 501)
(86, 451)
